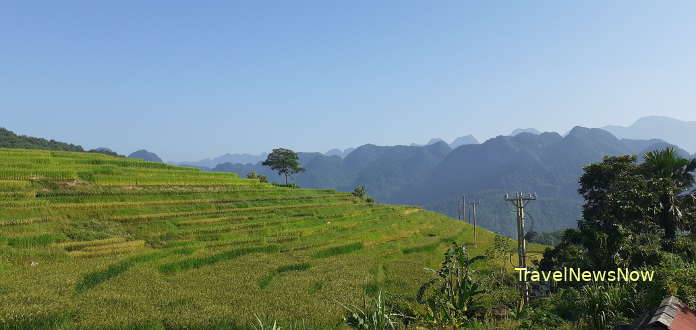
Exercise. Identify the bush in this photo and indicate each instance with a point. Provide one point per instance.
(369, 200)
(254, 175)
(360, 192)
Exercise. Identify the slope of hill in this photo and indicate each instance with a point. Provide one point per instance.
(681, 133)
(160, 246)
(9, 139)
(145, 155)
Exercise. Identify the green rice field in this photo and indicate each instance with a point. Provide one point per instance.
(89, 241)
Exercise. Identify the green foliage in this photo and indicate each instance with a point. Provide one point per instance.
(254, 175)
(9, 139)
(374, 315)
(450, 297)
(544, 238)
(284, 161)
(360, 192)
(631, 213)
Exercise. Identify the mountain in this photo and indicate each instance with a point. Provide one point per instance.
(9, 139)
(384, 170)
(226, 158)
(339, 152)
(463, 140)
(681, 133)
(525, 130)
(435, 176)
(434, 140)
(145, 155)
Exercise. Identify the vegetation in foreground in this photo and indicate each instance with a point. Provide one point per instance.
(636, 216)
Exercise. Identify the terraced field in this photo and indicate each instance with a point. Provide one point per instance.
(91, 241)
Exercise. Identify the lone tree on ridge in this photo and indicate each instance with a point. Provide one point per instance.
(284, 161)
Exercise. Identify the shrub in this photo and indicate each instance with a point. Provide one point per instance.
(254, 175)
(360, 192)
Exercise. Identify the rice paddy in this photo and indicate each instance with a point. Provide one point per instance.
(89, 241)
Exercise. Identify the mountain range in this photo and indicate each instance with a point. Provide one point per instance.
(436, 176)
(682, 133)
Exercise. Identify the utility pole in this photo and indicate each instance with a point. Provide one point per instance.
(519, 201)
(461, 208)
(474, 204)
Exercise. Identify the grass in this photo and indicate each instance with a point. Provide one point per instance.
(343, 249)
(160, 246)
(266, 280)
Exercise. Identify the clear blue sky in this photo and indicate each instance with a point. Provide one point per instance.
(190, 80)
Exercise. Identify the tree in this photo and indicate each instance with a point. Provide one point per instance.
(671, 175)
(632, 212)
(284, 161)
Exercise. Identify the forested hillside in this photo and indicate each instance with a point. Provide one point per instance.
(9, 139)
(435, 176)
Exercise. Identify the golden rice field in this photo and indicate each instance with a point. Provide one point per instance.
(89, 241)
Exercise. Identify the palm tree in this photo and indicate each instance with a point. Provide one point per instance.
(667, 164)
(672, 176)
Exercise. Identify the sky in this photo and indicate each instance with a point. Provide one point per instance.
(192, 80)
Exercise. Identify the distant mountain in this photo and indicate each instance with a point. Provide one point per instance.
(463, 140)
(383, 170)
(145, 155)
(525, 130)
(9, 139)
(435, 176)
(434, 140)
(681, 133)
(226, 158)
(339, 152)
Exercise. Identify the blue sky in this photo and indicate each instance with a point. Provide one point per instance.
(190, 80)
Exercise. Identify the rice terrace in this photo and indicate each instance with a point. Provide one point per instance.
(92, 241)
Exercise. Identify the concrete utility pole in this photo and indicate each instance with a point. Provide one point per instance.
(461, 208)
(520, 201)
(474, 204)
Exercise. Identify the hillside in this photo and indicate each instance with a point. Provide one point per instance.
(159, 246)
(435, 176)
(9, 139)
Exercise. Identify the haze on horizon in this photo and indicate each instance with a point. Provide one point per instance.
(196, 82)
